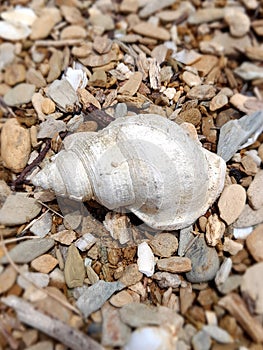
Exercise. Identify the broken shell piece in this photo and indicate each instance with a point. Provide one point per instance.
(11, 31)
(146, 164)
(20, 15)
(145, 261)
(76, 77)
(118, 226)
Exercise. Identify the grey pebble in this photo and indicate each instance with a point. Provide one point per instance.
(186, 237)
(42, 226)
(63, 94)
(139, 315)
(218, 334)
(230, 284)
(167, 279)
(50, 127)
(205, 261)
(21, 93)
(201, 341)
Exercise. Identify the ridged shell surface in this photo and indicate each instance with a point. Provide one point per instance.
(144, 163)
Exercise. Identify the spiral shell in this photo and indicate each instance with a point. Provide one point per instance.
(144, 163)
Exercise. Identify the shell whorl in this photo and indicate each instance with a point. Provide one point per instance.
(145, 163)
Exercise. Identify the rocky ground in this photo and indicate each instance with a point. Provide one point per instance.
(70, 274)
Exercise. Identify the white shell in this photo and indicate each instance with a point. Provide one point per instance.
(146, 164)
(11, 31)
(20, 15)
(145, 260)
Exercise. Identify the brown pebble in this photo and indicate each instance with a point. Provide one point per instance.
(15, 73)
(48, 106)
(7, 279)
(254, 243)
(44, 263)
(174, 264)
(74, 268)
(131, 275)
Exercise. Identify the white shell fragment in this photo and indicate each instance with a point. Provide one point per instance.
(76, 77)
(20, 15)
(11, 31)
(145, 261)
(146, 164)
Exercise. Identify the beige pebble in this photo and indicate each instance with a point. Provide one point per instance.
(129, 6)
(231, 203)
(152, 31)
(205, 64)
(164, 244)
(44, 263)
(15, 73)
(174, 264)
(232, 246)
(48, 106)
(255, 191)
(74, 268)
(249, 165)
(47, 19)
(72, 14)
(15, 145)
(73, 32)
(191, 115)
(215, 229)
(132, 85)
(35, 77)
(191, 79)
(131, 275)
(260, 152)
(202, 92)
(120, 299)
(65, 237)
(239, 23)
(254, 243)
(217, 102)
(7, 279)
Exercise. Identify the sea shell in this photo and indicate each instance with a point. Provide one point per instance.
(144, 163)
(145, 261)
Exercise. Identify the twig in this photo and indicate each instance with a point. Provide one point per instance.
(69, 336)
(49, 208)
(58, 43)
(13, 240)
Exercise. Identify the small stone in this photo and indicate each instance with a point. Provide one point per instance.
(164, 244)
(85, 242)
(48, 106)
(252, 287)
(218, 334)
(232, 202)
(249, 71)
(202, 92)
(42, 345)
(92, 276)
(18, 209)
(132, 85)
(206, 15)
(21, 93)
(129, 6)
(55, 65)
(191, 79)
(7, 279)
(63, 94)
(120, 299)
(254, 192)
(92, 298)
(131, 275)
(239, 23)
(215, 229)
(153, 6)
(187, 57)
(223, 272)
(73, 32)
(249, 217)
(5, 191)
(139, 315)
(72, 14)
(44, 263)
(42, 226)
(30, 337)
(166, 279)
(65, 237)
(35, 77)
(205, 262)
(232, 283)
(249, 165)
(254, 243)
(42, 26)
(201, 341)
(104, 21)
(15, 145)
(217, 102)
(205, 64)
(185, 239)
(15, 73)
(174, 264)
(74, 268)
(7, 54)
(51, 127)
(27, 251)
(12, 31)
(146, 261)
(260, 152)
(152, 31)
(231, 246)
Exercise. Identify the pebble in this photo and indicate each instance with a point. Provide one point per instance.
(205, 64)
(35, 77)
(249, 71)
(50, 128)
(55, 65)
(132, 85)
(15, 145)
(42, 345)
(7, 54)
(145, 260)
(202, 92)
(205, 261)
(104, 21)
(232, 283)
(7, 279)
(255, 193)
(232, 202)
(139, 315)
(152, 31)
(153, 6)
(21, 93)
(254, 243)
(74, 268)
(239, 23)
(65, 237)
(41, 280)
(231, 246)
(42, 226)
(5, 191)
(73, 32)
(131, 275)
(48, 18)
(129, 6)
(14, 74)
(114, 332)
(218, 334)
(11, 31)
(92, 298)
(249, 217)
(186, 237)
(187, 57)
(217, 102)
(166, 279)
(260, 152)
(18, 209)
(63, 94)
(191, 79)
(191, 115)
(85, 242)
(120, 299)
(27, 251)
(92, 276)
(174, 264)
(215, 229)
(206, 15)
(252, 287)
(201, 341)
(164, 244)
(72, 14)
(44, 263)
(223, 272)
(48, 106)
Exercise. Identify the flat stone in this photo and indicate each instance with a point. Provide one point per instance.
(218, 334)
(7, 279)
(120, 299)
(18, 209)
(65, 237)
(139, 315)
(132, 85)
(224, 271)
(254, 243)
(15, 145)
(153, 6)
(42, 226)
(51, 127)
(104, 21)
(174, 264)
(63, 94)
(191, 115)
(27, 251)
(191, 79)
(205, 262)
(74, 268)
(164, 244)
(92, 298)
(7, 54)
(152, 31)
(167, 279)
(131, 275)
(232, 202)
(184, 9)
(249, 217)
(42, 27)
(252, 287)
(217, 102)
(129, 6)
(202, 92)
(36, 78)
(85, 242)
(186, 237)
(14, 74)
(206, 15)
(239, 23)
(233, 282)
(13, 32)
(231, 246)
(201, 341)
(187, 57)
(44, 263)
(115, 333)
(73, 32)
(215, 229)
(21, 93)
(249, 71)
(42, 345)
(205, 64)
(254, 192)
(55, 65)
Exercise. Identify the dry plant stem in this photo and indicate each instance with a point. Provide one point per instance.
(58, 43)
(53, 211)
(33, 221)
(51, 295)
(62, 332)
(13, 240)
